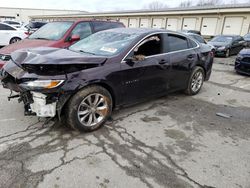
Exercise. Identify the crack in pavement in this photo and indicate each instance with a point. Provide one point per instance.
(133, 156)
(229, 86)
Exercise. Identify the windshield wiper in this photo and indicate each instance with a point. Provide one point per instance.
(87, 52)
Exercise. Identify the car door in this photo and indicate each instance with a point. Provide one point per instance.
(82, 29)
(236, 45)
(6, 33)
(145, 70)
(182, 58)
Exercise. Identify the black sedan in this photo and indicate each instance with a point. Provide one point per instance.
(242, 62)
(226, 45)
(105, 71)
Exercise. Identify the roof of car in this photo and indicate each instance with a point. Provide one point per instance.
(85, 20)
(228, 35)
(138, 30)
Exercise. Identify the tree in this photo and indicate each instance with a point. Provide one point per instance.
(156, 5)
(209, 2)
(186, 3)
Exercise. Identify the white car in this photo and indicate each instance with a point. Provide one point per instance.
(10, 34)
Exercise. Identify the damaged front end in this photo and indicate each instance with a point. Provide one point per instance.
(44, 88)
(43, 98)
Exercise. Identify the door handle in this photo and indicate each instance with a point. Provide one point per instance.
(162, 62)
(190, 57)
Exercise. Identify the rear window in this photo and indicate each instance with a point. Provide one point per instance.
(6, 27)
(100, 26)
(177, 42)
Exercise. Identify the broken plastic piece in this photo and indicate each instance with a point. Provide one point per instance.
(223, 115)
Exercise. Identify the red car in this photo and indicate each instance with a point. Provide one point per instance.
(59, 34)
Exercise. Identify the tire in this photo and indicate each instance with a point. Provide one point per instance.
(89, 109)
(195, 81)
(227, 54)
(14, 40)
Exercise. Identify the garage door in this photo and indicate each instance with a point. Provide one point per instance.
(189, 23)
(157, 23)
(232, 25)
(124, 21)
(144, 23)
(172, 24)
(132, 23)
(208, 26)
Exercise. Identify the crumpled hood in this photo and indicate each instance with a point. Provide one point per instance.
(53, 56)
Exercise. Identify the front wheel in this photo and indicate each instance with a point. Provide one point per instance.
(195, 81)
(89, 109)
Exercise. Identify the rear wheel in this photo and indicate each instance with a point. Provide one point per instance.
(195, 81)
(14, 40)
(89, 109)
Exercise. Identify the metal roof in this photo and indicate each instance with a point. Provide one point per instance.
(245, 7)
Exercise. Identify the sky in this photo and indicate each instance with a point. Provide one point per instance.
(92, 5)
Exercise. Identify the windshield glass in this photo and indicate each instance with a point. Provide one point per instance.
(104, 43)
(224, 39)
(247, 35)
(52, 31)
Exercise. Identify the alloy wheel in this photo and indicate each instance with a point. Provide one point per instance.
(197, 81)
(92, 110)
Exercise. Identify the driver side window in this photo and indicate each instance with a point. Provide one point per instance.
(150, 46)
(83, 29)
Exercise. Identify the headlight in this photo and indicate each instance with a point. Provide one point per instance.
(43, 84)
(222, 48)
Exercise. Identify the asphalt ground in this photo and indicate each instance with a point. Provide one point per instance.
(174, 141)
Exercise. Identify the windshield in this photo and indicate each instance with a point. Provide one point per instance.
(247, 35)
(106, 43)
(224, 39)
(52, 31)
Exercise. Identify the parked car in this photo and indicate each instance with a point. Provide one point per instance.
(226, 45)
(34, 25)
(242, 62)
(104, 71)
(247, 39)
(60, 34)
(15, 24)
(191, 31)
(10, 34)
(201, 40)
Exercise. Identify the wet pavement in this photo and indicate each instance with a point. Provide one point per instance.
(175, 141)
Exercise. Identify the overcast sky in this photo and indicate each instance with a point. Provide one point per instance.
(91, 5)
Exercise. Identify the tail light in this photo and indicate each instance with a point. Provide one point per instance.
(26, 33)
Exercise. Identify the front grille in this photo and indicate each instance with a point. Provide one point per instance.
(246, 59)
(5, 57)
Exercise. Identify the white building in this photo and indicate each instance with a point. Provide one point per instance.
(23, 14)
(211, 20)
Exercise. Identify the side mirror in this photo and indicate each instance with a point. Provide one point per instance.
(74, 38)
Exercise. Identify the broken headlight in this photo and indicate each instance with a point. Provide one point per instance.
(42, 84)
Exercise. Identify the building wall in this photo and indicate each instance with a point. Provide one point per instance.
(214, 21)
(23, 14)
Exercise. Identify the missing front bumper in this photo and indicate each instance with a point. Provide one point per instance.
(40, 106)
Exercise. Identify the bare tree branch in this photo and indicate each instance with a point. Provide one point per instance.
(156, 5)
(209, 2)
(187, 3)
